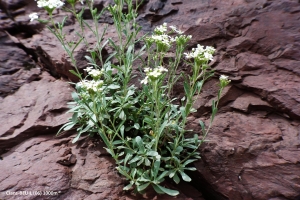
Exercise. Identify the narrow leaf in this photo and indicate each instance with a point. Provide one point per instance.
(184, 176)
(168, 191)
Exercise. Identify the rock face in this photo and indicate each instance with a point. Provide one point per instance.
(252, 151)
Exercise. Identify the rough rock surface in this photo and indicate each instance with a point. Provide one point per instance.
(253, 147)
(36, 108)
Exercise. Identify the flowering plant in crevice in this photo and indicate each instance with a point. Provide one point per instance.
(141, 126)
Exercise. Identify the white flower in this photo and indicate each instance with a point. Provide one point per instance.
(162, 39)
(210, 49)
(91, 85)
(81, 1)
(175, 29)
(223, 78)
(188, 55)
(158, 157)
(95, 73)
(145, 80)
(161, 69)
(33, 16)
(88, 69)
(224, 81)
(161, 29)
(201, 54)
(154, 73)
(208, 56)
(50, 3)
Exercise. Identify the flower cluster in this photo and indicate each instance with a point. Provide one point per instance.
(201, 54)
(153, 73)
(224, 81)
(163, 41)
(94, 73)
(182, 39)
(50, 4)
(159, 30)
(92, 86)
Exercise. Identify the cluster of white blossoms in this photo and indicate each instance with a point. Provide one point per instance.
(164, 41)
(95, 73)
(51, 4)
(161, 29)
(92, 85)
(201, 54)
(33, 16)
(153, 73)
(224, 80)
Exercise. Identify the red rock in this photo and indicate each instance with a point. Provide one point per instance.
(35, 109)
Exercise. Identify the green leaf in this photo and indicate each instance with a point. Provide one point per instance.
(75, 73)
(68, 126)
(76, 138)
(140, 162)
(144, 178)
(190, 146)
(166, 190)
(113, 86)
(202, 126)
(172, 173)
(186, 87)
(178, 149)
(162, 175)
(176, 178)
(127, 157)
(85, 129)
(129, 93)
(128, 186)
(155, 168)
(184, 176)
(117, 142)
(142, 187)
(136, 158)
(104, 138)
(190, 168)
(162, 127)
(188, 162)
(148, 121)
(136, 126)
(122, 115)
(75, 96)
(133, 172)
(140, 143)
(122, 131)
(147, 162)
(74, 117)
(122, 170)
(157, 189)
(152, 153)
(183, 113)
(110, 151)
